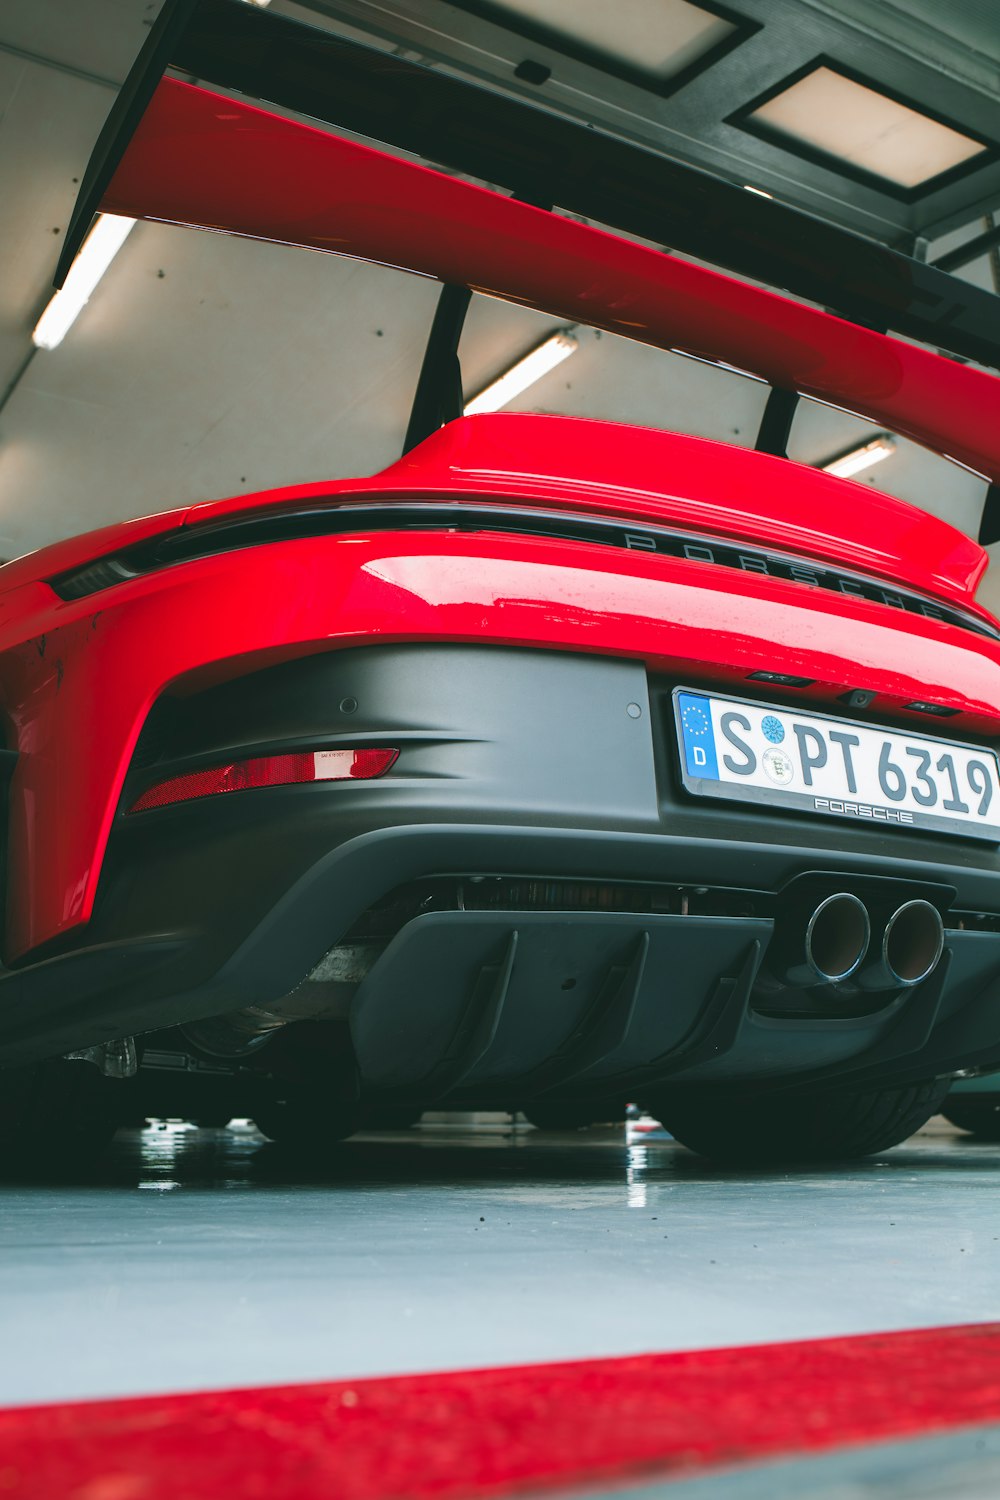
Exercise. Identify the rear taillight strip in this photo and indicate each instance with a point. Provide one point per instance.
(268, 770)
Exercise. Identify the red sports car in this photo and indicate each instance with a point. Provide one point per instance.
(562, 764)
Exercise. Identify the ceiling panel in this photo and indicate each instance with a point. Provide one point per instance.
(853, 123)
(780, 39)
(656, 40)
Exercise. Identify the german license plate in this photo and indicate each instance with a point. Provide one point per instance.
(776, 756)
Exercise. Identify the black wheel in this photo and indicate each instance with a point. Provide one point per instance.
(306, 1120)
(979, 1114)
(311, 1100)
(561, 1116)
(835, 1125)
(56, 1113)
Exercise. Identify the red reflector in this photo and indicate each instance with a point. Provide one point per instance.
(269, 770)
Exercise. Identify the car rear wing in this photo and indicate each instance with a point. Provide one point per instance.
(181, 154)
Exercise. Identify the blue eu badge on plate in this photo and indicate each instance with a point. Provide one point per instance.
(698, 736)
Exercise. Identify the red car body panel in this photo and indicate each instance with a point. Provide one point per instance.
(708, 486)
(200, 159)
(93, 668)
(85, 673)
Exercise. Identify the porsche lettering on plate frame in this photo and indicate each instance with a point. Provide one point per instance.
(775, 756)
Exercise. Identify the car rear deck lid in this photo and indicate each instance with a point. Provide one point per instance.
(709, 486)
(604, 468)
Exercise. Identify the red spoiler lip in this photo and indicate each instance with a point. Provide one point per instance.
(206, 161)
(572, 464)
(568, 465)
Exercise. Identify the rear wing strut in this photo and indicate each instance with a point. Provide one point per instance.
(183, 155)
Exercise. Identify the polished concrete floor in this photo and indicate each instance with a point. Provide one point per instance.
(192, 1259)
(957, 1466)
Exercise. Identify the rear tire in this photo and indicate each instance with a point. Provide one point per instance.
(311, 1100)
(980, 1116)
(55, 1114)
(309, 1122)
(835, 1125)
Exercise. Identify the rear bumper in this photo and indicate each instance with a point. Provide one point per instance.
(513, 763)
(80, 677)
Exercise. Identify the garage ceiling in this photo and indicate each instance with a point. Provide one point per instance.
(700, 112)
(205, 366)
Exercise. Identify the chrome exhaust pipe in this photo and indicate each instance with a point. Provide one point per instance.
(910, 950)
(829, 949)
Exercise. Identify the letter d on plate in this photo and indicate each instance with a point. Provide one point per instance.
(698, 736)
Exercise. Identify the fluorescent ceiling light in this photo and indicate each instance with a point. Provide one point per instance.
(96, 253)
(655, 36)
(857, 459)
(864, 128)
(259, 3)
(502, 391)
(761, 193)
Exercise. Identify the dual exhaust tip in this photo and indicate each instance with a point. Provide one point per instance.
(843, 941)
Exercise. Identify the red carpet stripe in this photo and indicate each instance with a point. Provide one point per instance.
(490, 1432)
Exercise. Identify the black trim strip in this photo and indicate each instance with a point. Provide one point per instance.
(543, 158)
(989, 524)
(438, 397)
(188, 544)
(776, 423)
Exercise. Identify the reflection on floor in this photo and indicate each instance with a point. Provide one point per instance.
(957, 1466)
(192, 1259)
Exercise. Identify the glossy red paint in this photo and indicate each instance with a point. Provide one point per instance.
(200, 159)
(79, 677)
(470, 1434)
(707, 486)
(608, 469)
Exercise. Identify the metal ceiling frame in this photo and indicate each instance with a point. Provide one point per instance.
(690, 123)
(537, 33)
(541, 157)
